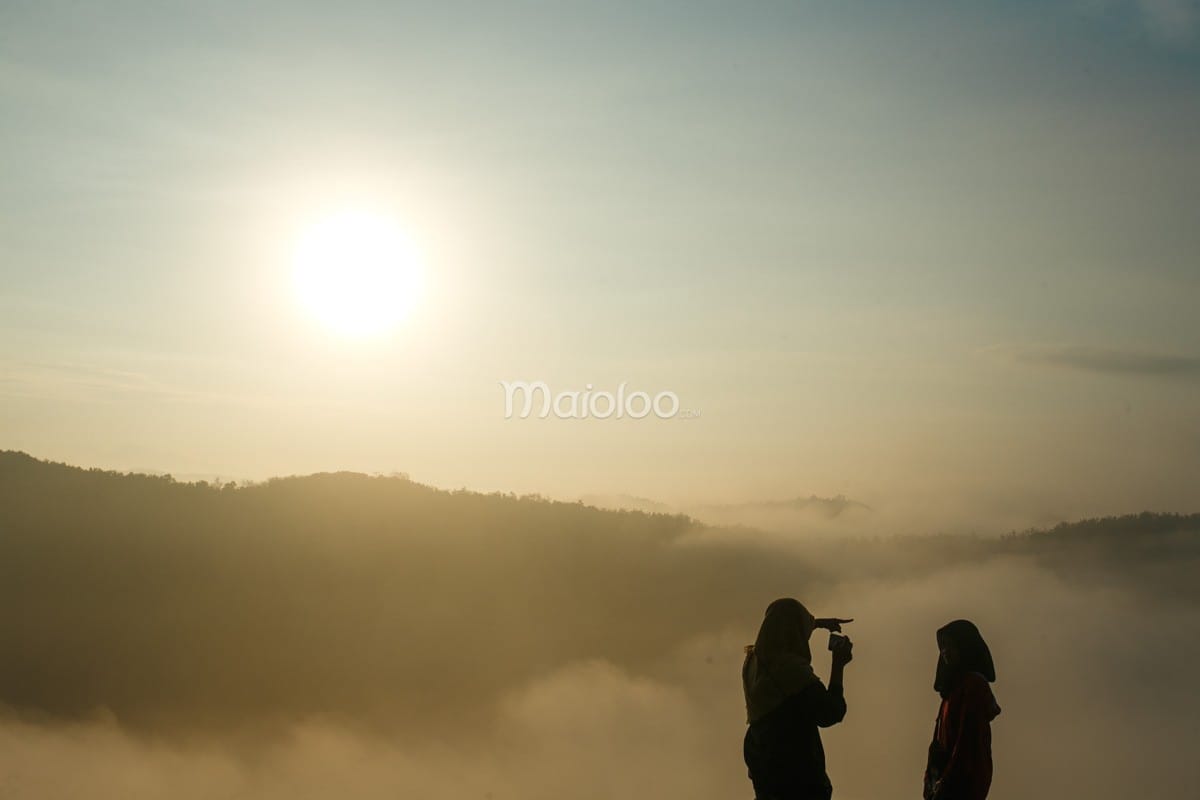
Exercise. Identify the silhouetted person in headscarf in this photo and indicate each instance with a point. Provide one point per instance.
(960, 755)
(786, 703)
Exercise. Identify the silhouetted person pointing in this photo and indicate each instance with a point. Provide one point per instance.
(786, 703)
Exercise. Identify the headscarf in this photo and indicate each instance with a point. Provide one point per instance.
(779, 663)
(973, 656)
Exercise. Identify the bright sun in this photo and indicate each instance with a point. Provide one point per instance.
(356, 273)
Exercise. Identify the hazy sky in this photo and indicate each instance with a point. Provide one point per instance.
(930, 255)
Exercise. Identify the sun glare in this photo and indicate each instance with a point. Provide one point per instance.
(356, 273)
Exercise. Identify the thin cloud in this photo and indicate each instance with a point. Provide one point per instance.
(1168, 21)
(1105, 360)
(1172, 20)
(54, 380)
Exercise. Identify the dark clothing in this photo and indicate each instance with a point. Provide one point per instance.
(960, 755)
(783, 749)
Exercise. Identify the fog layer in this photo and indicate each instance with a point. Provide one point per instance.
(369, 637)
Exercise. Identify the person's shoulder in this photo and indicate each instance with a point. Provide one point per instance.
(978, 691)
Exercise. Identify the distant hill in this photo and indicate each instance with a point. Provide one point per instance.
(1145, 524)
(628, 502)
(202, 606)
(799, 515)
(827, 507)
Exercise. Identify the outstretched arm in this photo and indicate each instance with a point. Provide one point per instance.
(830, 623)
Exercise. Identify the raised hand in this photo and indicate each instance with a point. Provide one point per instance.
(843, 651)
(831, 624)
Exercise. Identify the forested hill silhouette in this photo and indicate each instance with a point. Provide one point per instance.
(192, 607)
(1124, 527)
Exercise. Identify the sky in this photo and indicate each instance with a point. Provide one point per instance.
(938, 257)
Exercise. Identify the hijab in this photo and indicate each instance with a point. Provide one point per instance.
(779, 663)
(973, 656)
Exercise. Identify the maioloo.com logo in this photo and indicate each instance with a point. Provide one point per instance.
(589, 403)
